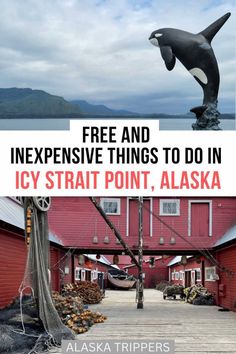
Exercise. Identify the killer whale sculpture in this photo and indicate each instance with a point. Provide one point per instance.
(195, 52)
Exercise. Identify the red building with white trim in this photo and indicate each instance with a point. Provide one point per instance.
(215, 271)
(172, 226)
(65, 264)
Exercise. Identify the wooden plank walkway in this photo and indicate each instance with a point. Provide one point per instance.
(195, 329)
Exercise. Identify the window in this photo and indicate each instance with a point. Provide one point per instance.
(198, 275)
(210, 274)
(173, 276)
(181, 275)
(83, 275)
(177, 276)
(77, 273)
(111, 206)
(94, 275)
(170, 207)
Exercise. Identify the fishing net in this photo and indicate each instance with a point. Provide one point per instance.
(48, 328)
(37, 275)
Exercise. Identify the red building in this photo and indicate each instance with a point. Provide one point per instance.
(172, 225)
(67, 265)
(215, 271)
(13, 251)
(154, 268)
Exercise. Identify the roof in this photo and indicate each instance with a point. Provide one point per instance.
(230, 235)
(175, 260)
(102, 259)
(12, 212)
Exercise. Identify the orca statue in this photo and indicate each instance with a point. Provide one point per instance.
(195, 52)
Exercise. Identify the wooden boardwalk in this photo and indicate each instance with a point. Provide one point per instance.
(195, 329)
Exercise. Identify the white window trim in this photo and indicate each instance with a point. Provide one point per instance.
(199, 271)
(193, 277)
(83, 275)
(94, 275)
(102, 200)
(176, 275)
(199, 201)
(127, 214)
(181, 275)
(161, 201)
(77, 269)
(173, 275)
(206, 268)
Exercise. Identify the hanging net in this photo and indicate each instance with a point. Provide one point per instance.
(37, 275)
(47, 329)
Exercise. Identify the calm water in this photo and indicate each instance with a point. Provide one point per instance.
(186, 124)
(63, 124)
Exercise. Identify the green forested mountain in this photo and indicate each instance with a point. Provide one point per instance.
(28, 103)
(25, 101)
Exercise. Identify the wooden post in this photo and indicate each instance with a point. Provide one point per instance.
(140, 256)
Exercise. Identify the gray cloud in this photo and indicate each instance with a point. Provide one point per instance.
(98, 51)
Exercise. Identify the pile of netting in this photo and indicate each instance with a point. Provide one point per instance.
(162, 285)
(89, 293)
(198, 295)
(73, 315)
(42, 327)
(21, 330)
(174, 289)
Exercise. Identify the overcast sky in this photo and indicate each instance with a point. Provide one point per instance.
(98, 50)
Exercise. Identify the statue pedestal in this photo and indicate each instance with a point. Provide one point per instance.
(207, 117)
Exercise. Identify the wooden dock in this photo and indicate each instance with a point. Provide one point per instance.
(195, 329)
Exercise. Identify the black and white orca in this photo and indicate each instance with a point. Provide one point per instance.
(195, 52)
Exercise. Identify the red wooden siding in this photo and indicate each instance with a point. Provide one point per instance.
(76, 221)
(13, 254)
(55, 273)
(152, 275)
(227, 258)
(12, 265)
(212, 286)
(134, 218)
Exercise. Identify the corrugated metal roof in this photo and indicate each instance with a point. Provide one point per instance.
(102, 259)
(175, 260)
(54, 238)
(228, 236)
(12, 212)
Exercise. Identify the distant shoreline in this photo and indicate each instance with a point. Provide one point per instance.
(229, 116)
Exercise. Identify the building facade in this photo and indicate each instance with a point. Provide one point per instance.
(201, 228)
(170, 225)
